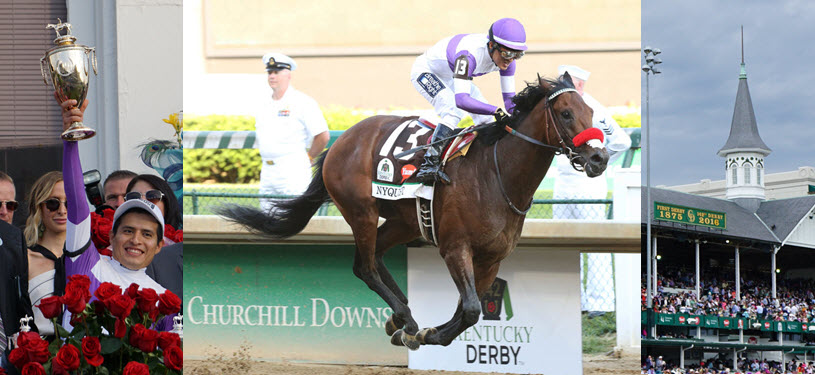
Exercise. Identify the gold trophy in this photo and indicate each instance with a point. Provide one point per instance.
(68, 65)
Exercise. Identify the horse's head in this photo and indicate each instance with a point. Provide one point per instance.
(572, 120)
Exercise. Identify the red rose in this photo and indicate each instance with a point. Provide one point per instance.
(33, 368)
(174, 358)
(37, 351)
(82, 283)
(175, 235)
(107, 290)
(168, 339)
(57, 369)
(73, 301)
(120, 328)
(144, 339)
(18, 357)
(101, 225)
(50, 307)
(169, 303)
(25, 338)
(90, 349)
(133, 290)
(77, 293)
(120, 305)
(146, 300)
(68, 357)
(135, 368)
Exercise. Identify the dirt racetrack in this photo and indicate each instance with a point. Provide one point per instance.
(592, 364)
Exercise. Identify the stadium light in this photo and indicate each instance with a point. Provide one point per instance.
(777, 270)
(650, 62)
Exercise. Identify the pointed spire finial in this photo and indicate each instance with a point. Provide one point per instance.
(743, 73)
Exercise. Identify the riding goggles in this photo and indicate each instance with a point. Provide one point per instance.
(153, 196)
(511, 54)
(52, 204)
(10, 205)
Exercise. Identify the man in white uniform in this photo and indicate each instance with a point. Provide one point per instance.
(444, 74)
(291, 131)
(598, 291)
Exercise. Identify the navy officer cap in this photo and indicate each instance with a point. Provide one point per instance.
(278, 61)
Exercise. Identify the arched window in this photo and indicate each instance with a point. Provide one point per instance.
(733, 174)
(748, 169)
(759, 172)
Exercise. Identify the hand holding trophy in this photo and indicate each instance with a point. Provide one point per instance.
(68, 64)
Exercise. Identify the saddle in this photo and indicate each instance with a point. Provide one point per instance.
(389, 185)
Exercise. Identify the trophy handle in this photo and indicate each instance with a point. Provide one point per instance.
(90, 50)
(43, 69)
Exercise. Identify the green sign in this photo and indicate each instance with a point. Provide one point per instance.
(293, 302)
(689, 215)
(711, 321)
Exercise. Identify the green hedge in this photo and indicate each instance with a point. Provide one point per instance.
(243, 166)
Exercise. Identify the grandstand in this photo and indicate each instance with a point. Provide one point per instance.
(729, 282)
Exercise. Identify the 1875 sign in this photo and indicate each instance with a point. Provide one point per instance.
(689, 215)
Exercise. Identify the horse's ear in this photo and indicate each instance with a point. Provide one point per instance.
(568, 79)
(545, 85)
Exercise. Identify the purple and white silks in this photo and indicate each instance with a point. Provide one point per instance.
(82, 257)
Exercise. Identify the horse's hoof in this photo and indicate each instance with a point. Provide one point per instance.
(422, 335)
(410, 341)
(391, 326)
(396, 338)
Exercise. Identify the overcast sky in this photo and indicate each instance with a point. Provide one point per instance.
(692, 100)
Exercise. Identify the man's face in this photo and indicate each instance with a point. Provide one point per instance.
(578, 85)
(279, 79)
(7, 193)
(115, 192)
(136, 241)
(500, 61)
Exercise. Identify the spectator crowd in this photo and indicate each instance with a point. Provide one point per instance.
(722, 366)
(675, 294)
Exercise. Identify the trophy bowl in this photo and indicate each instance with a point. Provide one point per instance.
(68, 66)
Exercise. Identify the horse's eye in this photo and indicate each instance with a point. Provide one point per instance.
(566, 115)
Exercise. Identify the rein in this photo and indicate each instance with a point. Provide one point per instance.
(557, 150)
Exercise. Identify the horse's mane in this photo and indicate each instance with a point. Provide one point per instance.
(524, 101)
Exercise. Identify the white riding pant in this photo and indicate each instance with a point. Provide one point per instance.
(289, 175)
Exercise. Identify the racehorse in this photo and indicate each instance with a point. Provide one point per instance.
(498, 175)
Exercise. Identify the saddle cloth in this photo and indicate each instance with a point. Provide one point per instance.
(394, 177)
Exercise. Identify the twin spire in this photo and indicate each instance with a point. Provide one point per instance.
(744, 150)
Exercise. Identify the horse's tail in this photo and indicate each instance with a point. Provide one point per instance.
(287, 217)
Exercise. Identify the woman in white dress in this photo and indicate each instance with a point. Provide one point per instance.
(45, 238)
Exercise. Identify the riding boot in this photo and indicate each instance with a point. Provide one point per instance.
(430, 171)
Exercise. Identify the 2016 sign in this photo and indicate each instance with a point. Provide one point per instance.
(689, 215)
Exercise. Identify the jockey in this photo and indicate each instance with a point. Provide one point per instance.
(443, 75)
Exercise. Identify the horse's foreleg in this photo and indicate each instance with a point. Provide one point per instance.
(460, 264)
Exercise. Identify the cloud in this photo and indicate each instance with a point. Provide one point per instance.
(692, 100)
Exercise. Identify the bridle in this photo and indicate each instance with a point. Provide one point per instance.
(563, 149)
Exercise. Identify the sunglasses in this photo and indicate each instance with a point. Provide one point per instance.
(510, 55)
(10, 205)
(52, 204)
(153, 196)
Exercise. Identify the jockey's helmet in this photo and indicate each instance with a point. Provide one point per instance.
(509, 33)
